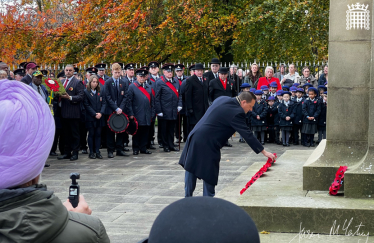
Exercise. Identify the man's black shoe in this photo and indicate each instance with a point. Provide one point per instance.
(47, 165)
(121, 153)
(262, 143)
(53, 154)
(160, 146)
(146, 152)
(174, 149)
(74, 157)
(64, 156)
(92, 156)
(135, 152)
(99, 156)
(110, 155)
(166, 150)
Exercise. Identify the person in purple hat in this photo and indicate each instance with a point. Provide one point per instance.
(298, 118)
(258, 117)
(311, 111)
(286, 114)
(273, 89)
(293, 92)
(31, 67)
(265, 92)
(271, 115)
(278, 101)
(252, 90)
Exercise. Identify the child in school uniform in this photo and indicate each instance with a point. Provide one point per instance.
(94, 103)
(306, 86)
(245, 87)
(273, 89)
(252, 90)
(286, 114)
(277, 102)
(322, 119)
(272, 112)
(321, 90)
(296, 85)
(258, 117)
(265, 92)
(285, 88)
(311, 112)
(293, 92)
(298, 118)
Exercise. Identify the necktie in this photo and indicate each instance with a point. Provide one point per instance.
(39, 90)
(66, 82)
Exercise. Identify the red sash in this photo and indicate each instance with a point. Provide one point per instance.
(153, 92)
(143, 91)
(152, 80)
(102, 81)
(170, 86)
(223, 83)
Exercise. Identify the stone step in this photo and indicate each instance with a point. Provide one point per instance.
(277, 202)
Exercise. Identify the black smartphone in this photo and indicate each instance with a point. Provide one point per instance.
(74, 189)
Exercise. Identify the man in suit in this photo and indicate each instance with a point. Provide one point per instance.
(37, 85)
(214, 66)
(222, 86)
(115, 95)
(152, 77)
(197, 92)
(71, 113)
(168, 103)
(182, 119)
(201, 154)
(30, 68)
(141, 105)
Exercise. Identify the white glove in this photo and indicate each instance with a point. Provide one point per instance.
(179, 108)
(160, 114)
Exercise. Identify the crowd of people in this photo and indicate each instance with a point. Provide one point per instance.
(287, 104)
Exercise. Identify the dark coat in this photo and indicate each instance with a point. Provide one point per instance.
(94, 103)
(27, 79)
(201, 154)
(139, 105)
(261, 109)
(285, 111)
(209, 76)
(322, 115)
(272, 114)
(276, 116)
(312, 109)
(102, 86)
(126, 79)
(44, 90)
(115, 98)
(216, 89)
(298, 118)
(322, 79)
(71, 109)
(182, 85)
(196, 98)
(166, 100)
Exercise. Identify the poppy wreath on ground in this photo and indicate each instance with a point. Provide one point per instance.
(338, 181)
(258, 174)
(54, 85)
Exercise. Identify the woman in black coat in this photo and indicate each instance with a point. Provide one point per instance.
(311, 112)
(94, 103)
(287, 113)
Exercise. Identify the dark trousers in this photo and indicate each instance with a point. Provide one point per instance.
(167, 132)
(271, 132)
(285, 136)
(59, 139)
(321, 133)
(159, 132)
(114, 141)
(296, 129)
(261, 134)
(140, 139)
(151, 134)
(190, 185)
(309, 139)
(104, 131)
(94, 139)
(83, 136)
(190, 128)
(277, 133)
(70, 128)
(181, 127)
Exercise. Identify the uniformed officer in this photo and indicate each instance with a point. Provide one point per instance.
(141, 105)
(152, 77)
(19, 74)
(44, 72)
(168, 104)
(182, 119)
(101, 74)
(130, 78)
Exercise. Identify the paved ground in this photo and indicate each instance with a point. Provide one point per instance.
(127, 193)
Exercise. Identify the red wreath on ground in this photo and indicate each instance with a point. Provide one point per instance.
(53, 85)
(258, 174)
(338, 182)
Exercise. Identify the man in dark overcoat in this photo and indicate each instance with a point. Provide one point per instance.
(196, 95)
(181, 125)
(201, 155)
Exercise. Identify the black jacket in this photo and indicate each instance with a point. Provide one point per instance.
(201, 155)
(115, 98)
(27, 79)
(285, 111)
(298, 118)
(209, 76)
(196, 98)
(166, 100)
(216, 89)
(94, 103)
(182, 85)
(271, 115)
(260, 108)
(322, 116)
(311, 109)
(72, 108)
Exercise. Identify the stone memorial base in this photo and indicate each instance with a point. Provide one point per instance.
(277, 202)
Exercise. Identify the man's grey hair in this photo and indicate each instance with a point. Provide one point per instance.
(233, 66)
(69, 65)
(247, 96)
(269, 67)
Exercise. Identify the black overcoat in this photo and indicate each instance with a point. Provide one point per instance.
(322, 115)
(298, 119)
(166, 100)
(285, 111)
(216, 89)
(94, 103)
(201, 154)
(311, 108)
(197, 101)
(260, 108)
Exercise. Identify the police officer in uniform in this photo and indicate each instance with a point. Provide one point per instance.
(101, 74)
(152, 77)
(168, 104)
(19, 74)
(141, 105)
(182, 119)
